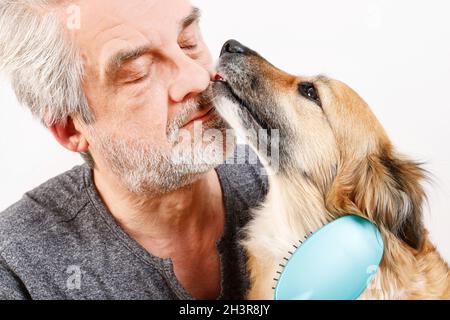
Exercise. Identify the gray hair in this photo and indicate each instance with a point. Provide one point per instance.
(43, 64)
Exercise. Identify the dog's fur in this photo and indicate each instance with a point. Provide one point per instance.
(335, 159)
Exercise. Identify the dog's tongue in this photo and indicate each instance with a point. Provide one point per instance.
(219, 77)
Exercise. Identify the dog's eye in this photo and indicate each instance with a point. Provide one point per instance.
(309, 91)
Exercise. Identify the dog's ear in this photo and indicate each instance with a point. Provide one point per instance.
(385, 189)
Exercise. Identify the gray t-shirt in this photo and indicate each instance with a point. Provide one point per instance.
(60, 242)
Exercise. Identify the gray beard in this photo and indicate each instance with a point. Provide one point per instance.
(150, 170)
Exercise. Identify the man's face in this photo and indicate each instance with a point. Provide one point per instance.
(147, 69)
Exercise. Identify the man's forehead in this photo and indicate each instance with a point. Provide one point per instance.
(110, 25)
(101, 15)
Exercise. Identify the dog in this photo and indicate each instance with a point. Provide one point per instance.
(334, 159)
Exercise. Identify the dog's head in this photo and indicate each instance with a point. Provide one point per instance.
(328, 136)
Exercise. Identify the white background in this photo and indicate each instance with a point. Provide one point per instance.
(396, 54)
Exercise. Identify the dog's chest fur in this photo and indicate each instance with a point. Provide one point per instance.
(290, 213)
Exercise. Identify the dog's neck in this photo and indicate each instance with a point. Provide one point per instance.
(295, 199)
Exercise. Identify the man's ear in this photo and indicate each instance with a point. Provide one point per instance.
(70, 135)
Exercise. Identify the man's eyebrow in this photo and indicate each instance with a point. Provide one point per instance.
(118, 59)
(194, 16)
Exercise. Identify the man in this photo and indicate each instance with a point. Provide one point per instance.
(152, 215)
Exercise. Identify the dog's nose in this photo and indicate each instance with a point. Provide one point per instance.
(233, 46)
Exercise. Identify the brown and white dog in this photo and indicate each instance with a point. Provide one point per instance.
(334, 159)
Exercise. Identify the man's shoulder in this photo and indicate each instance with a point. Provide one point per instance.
(244, 167)
(57, 200)
(244, 178)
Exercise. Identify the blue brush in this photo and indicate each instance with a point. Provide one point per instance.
(335, 263)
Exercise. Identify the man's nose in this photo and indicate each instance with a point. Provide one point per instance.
(191, 79)
(234, 47)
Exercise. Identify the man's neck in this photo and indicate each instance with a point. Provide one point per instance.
(190, 216)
